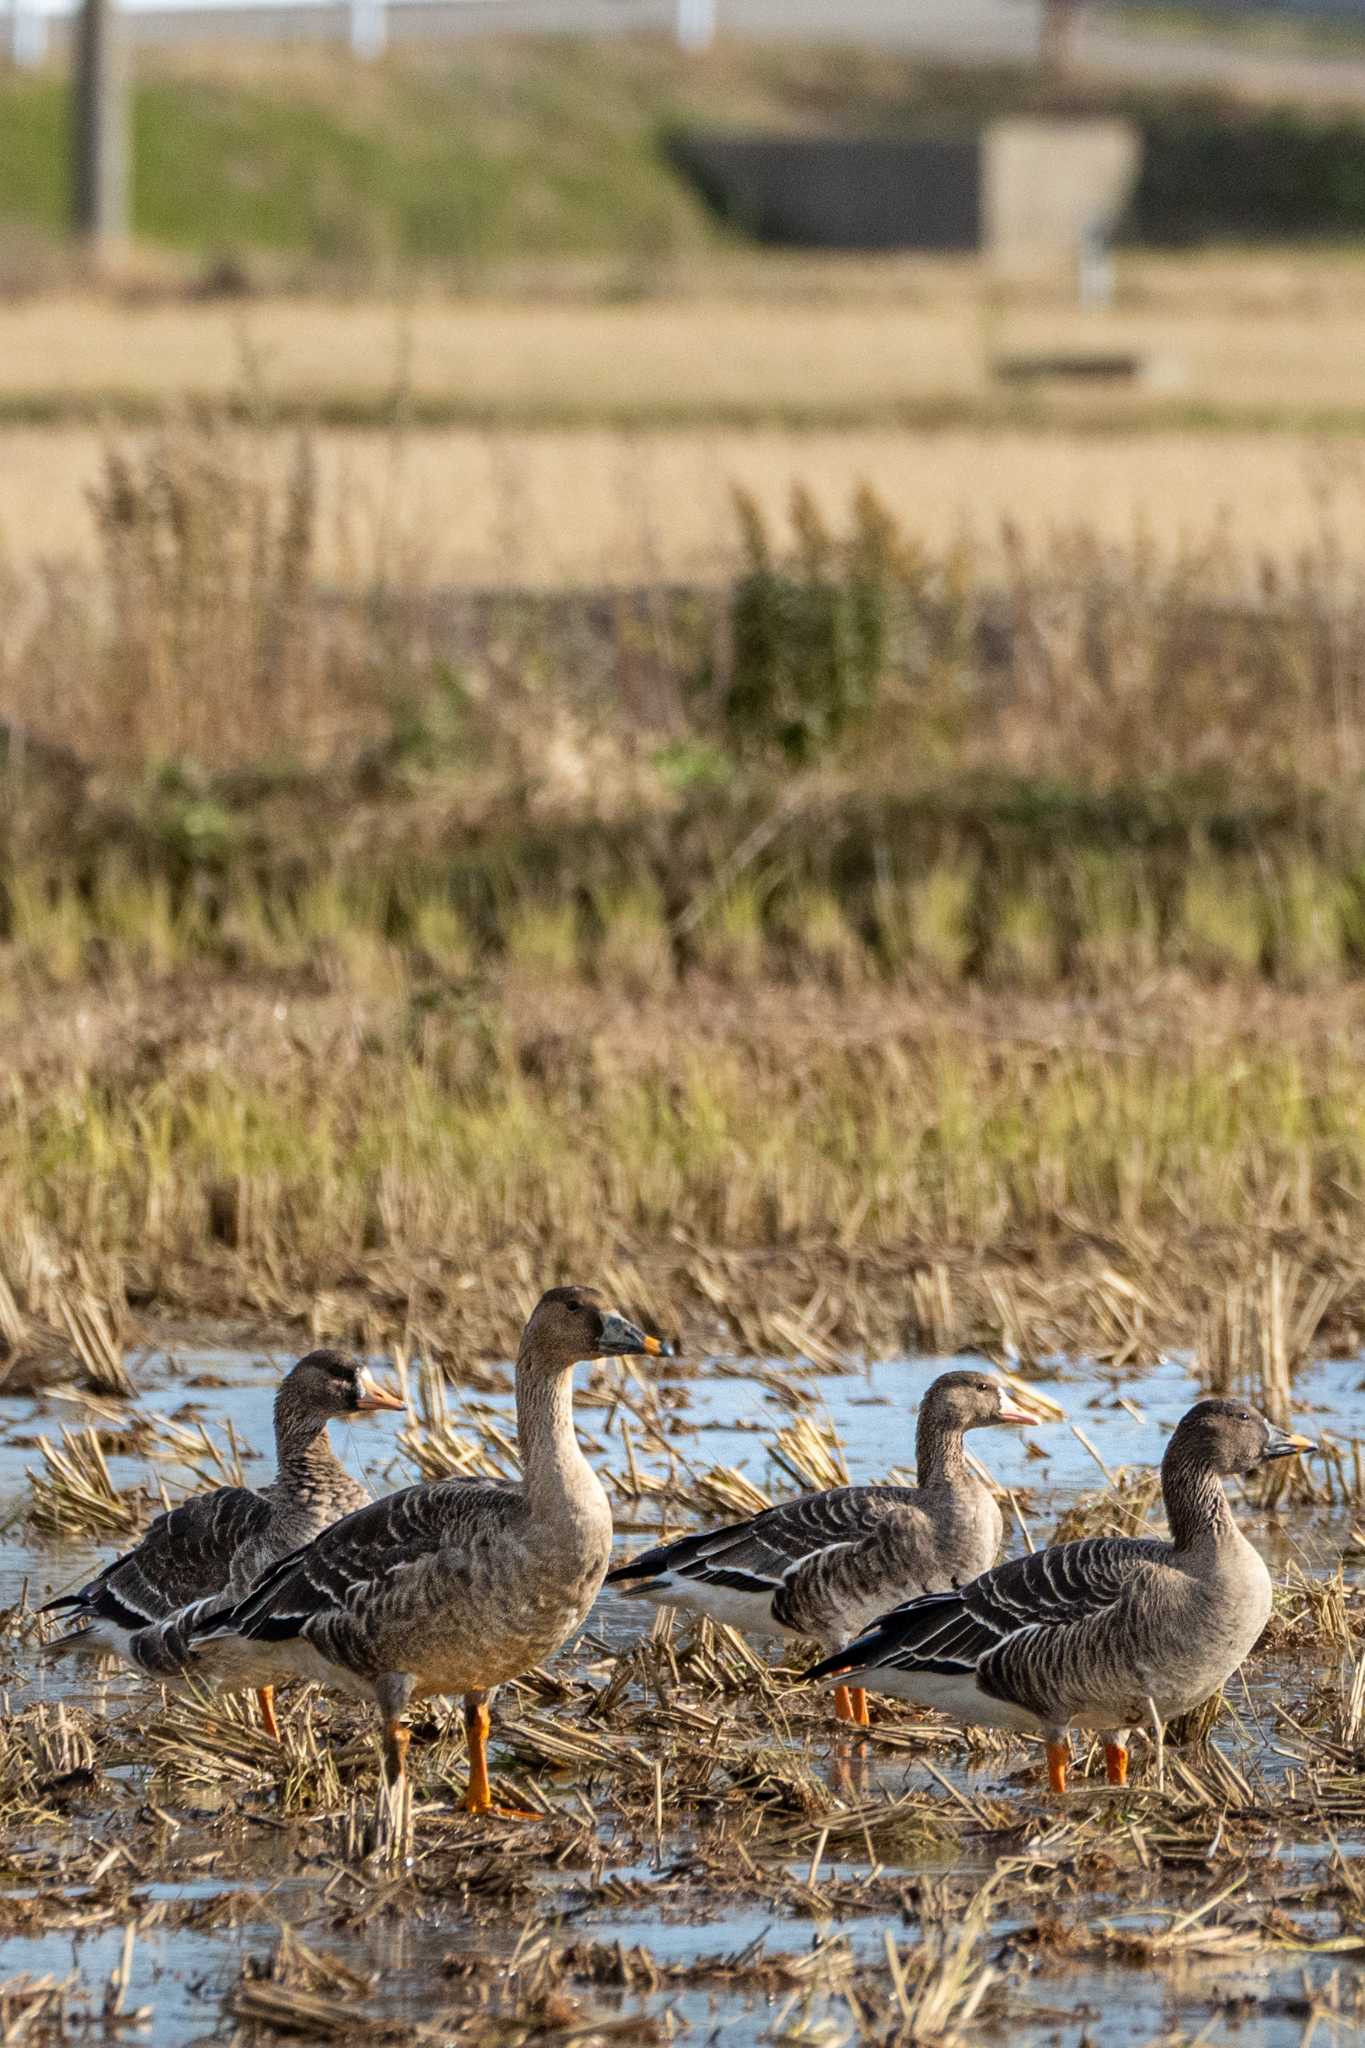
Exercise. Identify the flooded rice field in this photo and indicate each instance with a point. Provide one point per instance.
(717, 1860)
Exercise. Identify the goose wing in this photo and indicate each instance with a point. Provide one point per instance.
(753, 1555)
(954, 1634)
(827, 1592)
(365, 1555)
(186, 1555)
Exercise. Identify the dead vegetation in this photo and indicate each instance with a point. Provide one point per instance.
(912, 1885)
(373, 1052)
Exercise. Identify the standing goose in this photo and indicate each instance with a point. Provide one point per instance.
(826, 1564)
(454, 1587)
(213, 1547)
(1102, 1634)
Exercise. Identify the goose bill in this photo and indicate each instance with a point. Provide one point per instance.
(1283, 1443)
(621, 1339)
(373, 1396)
(1013, 1411)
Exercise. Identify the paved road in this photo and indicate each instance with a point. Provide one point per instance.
(970, 30)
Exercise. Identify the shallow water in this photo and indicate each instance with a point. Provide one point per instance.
(182, 1973)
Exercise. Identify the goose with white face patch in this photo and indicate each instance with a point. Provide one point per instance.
(209, 1550)
(824, 1565)
(1104, 1634)
(454, 1587)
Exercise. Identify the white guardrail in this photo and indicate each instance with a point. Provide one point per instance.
(364, 23)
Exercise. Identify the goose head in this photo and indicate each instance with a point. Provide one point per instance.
(972, 1400)
(1231, 1438)
(573, 1323)
(328, 1383)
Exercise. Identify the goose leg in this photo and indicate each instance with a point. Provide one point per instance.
(478, 1797)
(397, 1737)
(1116, 1757)
(843, 1704)
(265, 1700)
(392, 1694)
(857, 1699)
(393, 1812)
(1159, 1737)
(1058, 1757)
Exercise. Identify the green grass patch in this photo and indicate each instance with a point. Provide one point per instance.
(456, 156)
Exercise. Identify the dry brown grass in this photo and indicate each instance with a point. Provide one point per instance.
(488, 509)
(791, 1170)
(803, 337)
(655, 392)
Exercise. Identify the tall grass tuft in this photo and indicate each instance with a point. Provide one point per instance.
(441, 937)
(731, 940)
(634, 952)
(926, 925)
(809, 630)
(1220, 931)
(1116, 920)
(821, 942)
(142, 929)
(1307, 923)
(203, 636)
(540, 941)
(49, 928)
(1025, 942)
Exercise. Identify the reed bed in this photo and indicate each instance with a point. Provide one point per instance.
(1096, 923)
(815, 1176)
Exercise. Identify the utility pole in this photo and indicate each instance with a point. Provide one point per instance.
(1057, 41)
(100, 126)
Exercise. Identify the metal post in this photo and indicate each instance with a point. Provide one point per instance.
(27, 32)
(369, 28)
(100, 130)
(695, 24)
(1057, 45)
(1095, 264)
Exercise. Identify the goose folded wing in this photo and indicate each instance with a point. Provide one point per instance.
(329, 1575)
(1059, 1668)
(185, 1555)
(754, 1554)
(848, 1576)
(952, 1632)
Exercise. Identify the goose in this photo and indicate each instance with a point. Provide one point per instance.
(213, 1547)
(456, 1586)
(826, 1564)
(1102, 1634)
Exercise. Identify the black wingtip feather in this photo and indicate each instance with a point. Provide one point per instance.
(828, 1667)
(625, 1574)
(664, 1557)
(880, 1643)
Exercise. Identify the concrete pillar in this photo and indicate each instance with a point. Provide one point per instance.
(27, 32)
(369, 28)
(695, 23)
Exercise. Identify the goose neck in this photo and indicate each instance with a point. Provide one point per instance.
(940, 1454)
(303, 1449)
(1197, 1506)
(551, 1459)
